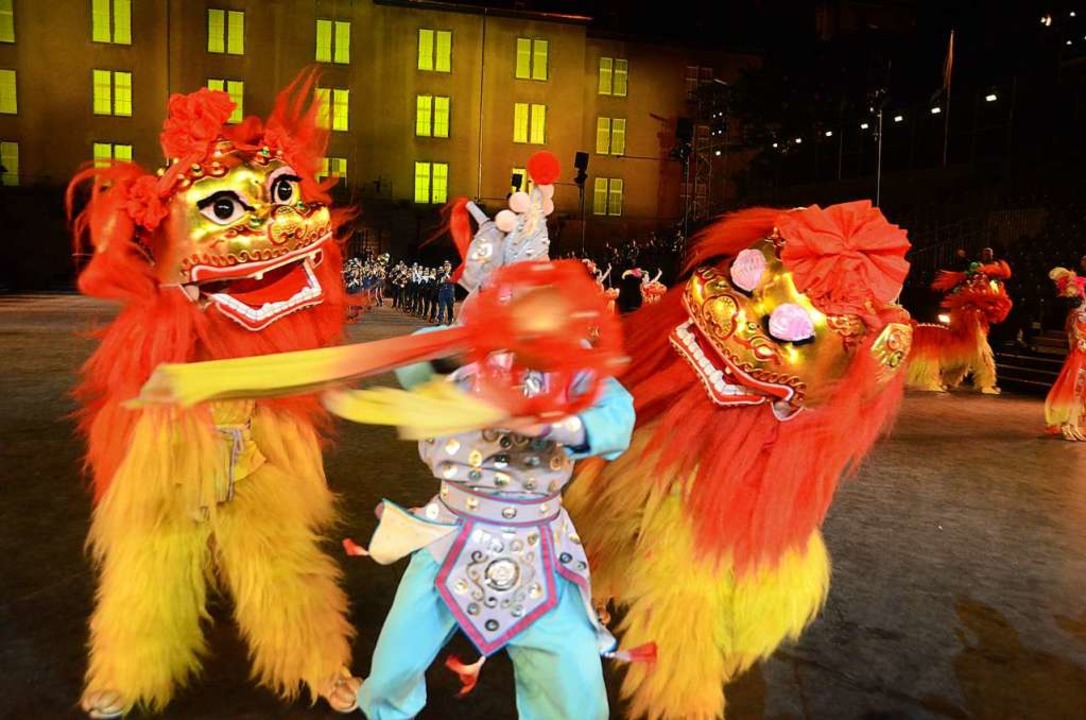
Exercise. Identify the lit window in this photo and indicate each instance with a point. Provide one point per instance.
(607, 197)
(519, 180)
(529, 123)
(606, 75)
(236, 90)
(7, 28)
(610, 136)
(613, 76)
(432, 116)
(105, 153)
(621, 77)
(599, 197)
(441, 117)
(424, 115)
(539, 124)
(614, 197)
(9, 103)
(111, 21)
(531, 59)
(431, 182)
(334, 42)
(122, 94)
(332, 112)
(520, 122)
(226, 31)
(112, 93)
(333, 167)
(9, 159)
(435, 50)
(618, 136)
(440, 185)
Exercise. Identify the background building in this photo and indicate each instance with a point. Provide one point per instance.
(426, 101)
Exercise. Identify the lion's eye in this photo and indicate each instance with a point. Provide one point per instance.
(223, 208)
(285, 190)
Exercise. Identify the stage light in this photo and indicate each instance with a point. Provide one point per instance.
(936, 110)
(864, 126)
(799, 141)
(1068, 42)
(1072, 13)
(829, 133)
(717, 153)
(1046, 20)
(991, 97)
(944, 318)
(898, 118)
(774, 144)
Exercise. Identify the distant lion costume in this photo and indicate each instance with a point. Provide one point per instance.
(1065, 404)
(943, 356)
(758, 384)
(228, 251)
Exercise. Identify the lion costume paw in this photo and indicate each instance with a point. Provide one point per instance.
(342, 693)
(103, 704)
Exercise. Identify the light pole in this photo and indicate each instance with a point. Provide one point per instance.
(581, 163)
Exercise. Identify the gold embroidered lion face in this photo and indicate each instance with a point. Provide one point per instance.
(245, 240)
(753, 338)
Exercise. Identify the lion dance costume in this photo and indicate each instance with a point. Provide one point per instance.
(1065, 405)
(943, 355)
(757, 385)
(228, 251)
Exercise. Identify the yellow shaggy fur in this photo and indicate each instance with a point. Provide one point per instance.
(709, 625)
(160, 543)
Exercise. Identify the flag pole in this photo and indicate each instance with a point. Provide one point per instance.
(946, 81)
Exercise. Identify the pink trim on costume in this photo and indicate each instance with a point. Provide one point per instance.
(484, 647)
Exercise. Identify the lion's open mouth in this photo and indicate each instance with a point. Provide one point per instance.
(727, 383)
(257, 294)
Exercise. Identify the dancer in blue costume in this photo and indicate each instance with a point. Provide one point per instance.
(494, 553)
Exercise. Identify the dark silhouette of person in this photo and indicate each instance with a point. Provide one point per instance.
(629, 291)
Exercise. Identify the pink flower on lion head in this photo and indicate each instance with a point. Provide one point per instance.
(844, 257)
(194, 122)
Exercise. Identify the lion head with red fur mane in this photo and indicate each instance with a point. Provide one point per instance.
(229, 250)
(769, 374)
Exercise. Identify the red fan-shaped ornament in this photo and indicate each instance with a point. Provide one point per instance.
(543, 339)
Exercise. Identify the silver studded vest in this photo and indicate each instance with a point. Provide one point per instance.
(499, 570)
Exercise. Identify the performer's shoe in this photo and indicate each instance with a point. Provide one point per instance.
(1072, 432)
(103, 704)
(991, 391)
(342, 693)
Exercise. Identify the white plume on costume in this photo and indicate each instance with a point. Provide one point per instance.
(514, 235)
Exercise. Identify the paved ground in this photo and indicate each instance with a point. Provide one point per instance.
(959, 585)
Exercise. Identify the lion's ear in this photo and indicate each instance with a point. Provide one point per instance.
(891, 350)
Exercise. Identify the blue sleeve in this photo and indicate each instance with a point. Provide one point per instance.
(608, 425)
(410, 376)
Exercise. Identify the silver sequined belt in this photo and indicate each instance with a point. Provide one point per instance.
(499, 510)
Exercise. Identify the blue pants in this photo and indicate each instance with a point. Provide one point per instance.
(445, 308)
(556, 661)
